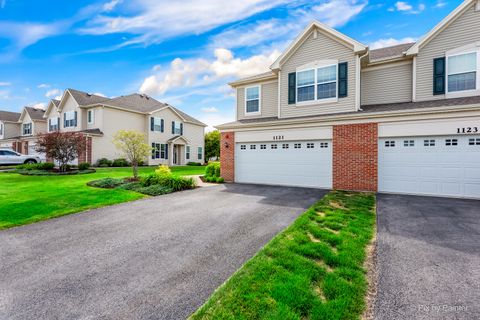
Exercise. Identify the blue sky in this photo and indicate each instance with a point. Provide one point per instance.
(180, 52)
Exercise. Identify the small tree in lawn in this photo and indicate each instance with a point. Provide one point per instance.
(212, 145)
(64, 147)
(132, 145)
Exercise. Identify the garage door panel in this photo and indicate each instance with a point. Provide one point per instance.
(442, 170)
(307, 167)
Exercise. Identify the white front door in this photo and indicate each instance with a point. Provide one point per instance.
(292, 163)
(437, 165)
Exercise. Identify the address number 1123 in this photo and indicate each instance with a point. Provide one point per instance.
(467, 130)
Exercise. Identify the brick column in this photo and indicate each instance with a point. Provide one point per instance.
(227, 156)
(82, 155)
(89, 150)
(355, 157)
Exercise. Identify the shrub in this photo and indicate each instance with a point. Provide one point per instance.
(103, 162)
(195, 164)
(154, 190)
(121, 162)
(171, 181)
(220, 180)
(83, 166)
(163, 171)
(212, 172)
(130, 186)
(36, 166)
(108, 183)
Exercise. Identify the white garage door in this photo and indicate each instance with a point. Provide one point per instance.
(293, 163)
(440, 166)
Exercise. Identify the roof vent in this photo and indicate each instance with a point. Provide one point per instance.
(89, 94)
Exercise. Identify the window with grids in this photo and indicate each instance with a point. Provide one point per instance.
(297, 145)
(474, 142)
(462, 72)
(253, 147)
(285, 146)
(243, 147)
(263, 146)
(27, 128)
(70, 120)
(390, 143)
(451, 142)
(199, 153)
(252, 99)
(159, 151)
(409, 143)
(157, 124)
(187, 152)
(273, 146)
(429, 143)
(317, 84)
(323, 144)
(310, 145)
(53, 124)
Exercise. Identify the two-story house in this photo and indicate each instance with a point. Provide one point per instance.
(176, 138)
(332, 113)
(9, 127)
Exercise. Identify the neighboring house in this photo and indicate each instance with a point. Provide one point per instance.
(176, 138)
(333, 114)
(9, 127)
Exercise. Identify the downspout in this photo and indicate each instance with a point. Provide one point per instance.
(359, 67)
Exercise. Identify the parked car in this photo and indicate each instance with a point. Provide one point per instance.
(11, 157)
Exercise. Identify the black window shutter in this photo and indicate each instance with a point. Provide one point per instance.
(166, 151)
(181, 129)
(58, 123)
(64, 119)
(173, 127)
(292, 82)
(75, 118)
(161, 125)
(342, 79)
(439, 76)
(152, 124)
(153, 150)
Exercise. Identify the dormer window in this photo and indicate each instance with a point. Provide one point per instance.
(53, 124)
(252, 100)
(462, 72)
(70, 119)
(319, 83)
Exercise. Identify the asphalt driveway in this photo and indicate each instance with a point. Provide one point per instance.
(428, 258)
(158, 258)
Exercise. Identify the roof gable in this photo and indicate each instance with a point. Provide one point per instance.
(455, 14)
(316, 26)
(53, 104)
(80, 97)
(8, 116)
(33, 113)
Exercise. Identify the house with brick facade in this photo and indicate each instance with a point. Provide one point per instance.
(332, 113)
(176, 138)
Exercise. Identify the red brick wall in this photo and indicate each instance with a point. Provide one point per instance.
(89, 150)
(82, 156)
(355, 157)
(227, 156)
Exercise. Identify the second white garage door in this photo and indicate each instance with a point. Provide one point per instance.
(439, 166)
(293, 163)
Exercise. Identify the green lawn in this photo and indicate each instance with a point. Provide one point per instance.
(312, 270)
(27, 199)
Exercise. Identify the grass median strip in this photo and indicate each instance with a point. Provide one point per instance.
(312, 270)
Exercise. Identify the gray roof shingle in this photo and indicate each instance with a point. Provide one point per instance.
(56, 102)
(9, 116)
(254, 77)
(35, 113)
(389, 52)
(84, 98)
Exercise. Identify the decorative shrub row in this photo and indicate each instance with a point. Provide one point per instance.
(194, 164)
(212, 173)
(120, 162)
(36, 166)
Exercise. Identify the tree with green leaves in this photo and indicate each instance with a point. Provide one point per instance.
(132, 144)
(212, 145)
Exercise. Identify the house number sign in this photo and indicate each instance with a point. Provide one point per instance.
(278, 137)
(468, 130)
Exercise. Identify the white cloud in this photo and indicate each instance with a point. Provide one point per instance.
(5, 84)
(440, 4)
(198, 72)
(53, 92)
(153, 21)
(38, 105)
(214, 119)
(388, 42)
(334, 13)
(43, 86)
(109, 6)
(406, 7)
(209, 110)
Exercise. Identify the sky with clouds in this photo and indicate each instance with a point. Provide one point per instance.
(180, 52)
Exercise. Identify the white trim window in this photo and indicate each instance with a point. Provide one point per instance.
(252, 100)
(462, 72)
(27, 129)
(319, 83)
(187, 152)
(69, 119)
(200, 153)
(53, 124)
(91, 116)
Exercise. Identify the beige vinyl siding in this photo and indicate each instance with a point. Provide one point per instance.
(464, 30)
(268, 100)
(113, 121)
(321, 48)
(71, 105)
(387, 84)
(97, 118)
(10, 130)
